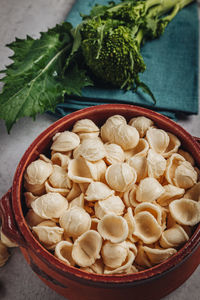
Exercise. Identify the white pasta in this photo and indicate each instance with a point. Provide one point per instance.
(115, 254)
(120, 176)
(86, 248)
(65, 141)
(63, 251)
(75, 221)
(48, 233)
(142, 124)
(50, 205)
(4, 254)
(113, 199)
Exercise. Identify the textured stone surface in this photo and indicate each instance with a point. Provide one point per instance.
(18, 18)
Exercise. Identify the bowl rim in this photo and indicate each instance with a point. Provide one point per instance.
(50, 259)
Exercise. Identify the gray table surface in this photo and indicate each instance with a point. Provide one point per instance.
(18, 18)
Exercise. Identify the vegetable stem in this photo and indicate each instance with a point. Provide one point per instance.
(166, 5)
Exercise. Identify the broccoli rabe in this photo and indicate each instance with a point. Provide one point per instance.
(116, 56)
(112, 36)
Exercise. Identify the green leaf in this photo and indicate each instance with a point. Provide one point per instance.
(74, 80)
(33, 83)
(146, 90)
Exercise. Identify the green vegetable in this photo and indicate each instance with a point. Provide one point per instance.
(34, 83)
(105, 46)
(111, 38)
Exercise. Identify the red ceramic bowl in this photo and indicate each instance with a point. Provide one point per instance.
(153, 283)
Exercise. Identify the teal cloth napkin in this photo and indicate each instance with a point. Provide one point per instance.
(171, 68)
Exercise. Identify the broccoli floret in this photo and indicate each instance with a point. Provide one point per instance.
(131, 12)
(117, 60)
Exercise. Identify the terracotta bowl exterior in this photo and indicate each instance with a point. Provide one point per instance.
(74, 284)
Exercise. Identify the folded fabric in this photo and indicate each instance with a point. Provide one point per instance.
(171, 68)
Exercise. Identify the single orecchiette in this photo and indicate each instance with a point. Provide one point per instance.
(185, 211)
(79, 171)
(126, 136)
(112, 204)
(142, 124)
(152, 208)
(157, 256)
(90, 149)
(60, 159)
(65, 141)
(4, 254)
(158, 139)
(156, 164)
(173, 237)
(146, 227)
(85, 125)
(107, 130)
(50, 205)
(140, 150)
(171, 193)
(149, 190)
(114, 154)
(113, 228)
(48, 233)
(35, 189)
(75, 221)
(114, 254)
(98, 191)
(124, 268)
(185, 175)
(63, 251)
(139, 164)
(180, 172)
(173, 145)
(38, 172)
(120, 176)
(193, 193)
(86, 248)
(6, 241)
(59, 178)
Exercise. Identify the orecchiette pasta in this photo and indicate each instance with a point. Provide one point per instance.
(86, 248)
(120, 176)
(38, 172)
(113, 228)
(173, 237)
(65, 141)
(63, 251)
(142, 124)
(114, 254)
(158, 139)
(48, 233)
(75, 221)
(50, 205)
(146, 227)
(4, 254)
(114, 154)
(112, 199)
(149, 190)
(6, 241)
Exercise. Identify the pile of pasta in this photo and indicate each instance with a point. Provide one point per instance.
(116, 199)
